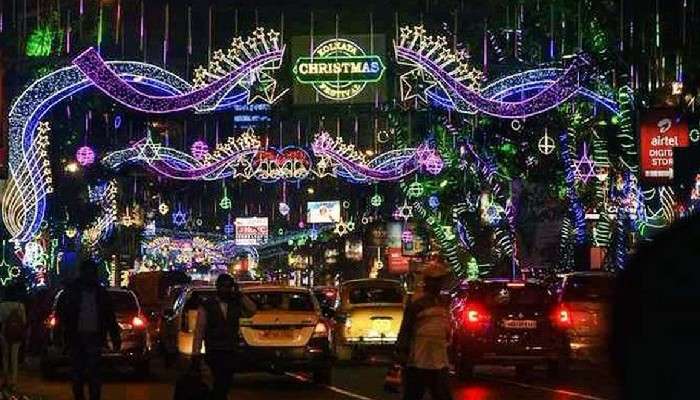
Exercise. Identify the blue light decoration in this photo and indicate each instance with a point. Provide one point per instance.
(117, 121)
(575, 206)
(448, 80)
(433, 202)
(139, 86)
(179, 217)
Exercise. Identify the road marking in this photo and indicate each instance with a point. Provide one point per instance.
(544, 388)
(332, 388)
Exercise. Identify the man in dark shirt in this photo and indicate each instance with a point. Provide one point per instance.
(86, 313)
(217, 326)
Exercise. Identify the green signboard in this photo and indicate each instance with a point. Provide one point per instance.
(338, 69)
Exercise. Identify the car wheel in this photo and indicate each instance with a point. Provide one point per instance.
(323, 376)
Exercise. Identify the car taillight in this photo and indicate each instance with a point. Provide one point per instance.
(320, 330)
(562, 317)
(475, 316)
(138, 322)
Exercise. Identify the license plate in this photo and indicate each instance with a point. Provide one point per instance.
(277, 334)
(519, 324)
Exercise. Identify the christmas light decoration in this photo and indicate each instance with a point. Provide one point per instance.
(376, 200)
(179, 217)
(344, 161)
(404, 211)
(85, 156)
(546, 144)
(407, 236)
(124, 82)
(163, 208)
(104, 196)
(446, 78)
(415, 189)
(283, 209)
(199, 149)
(433, 201)
(584, 167)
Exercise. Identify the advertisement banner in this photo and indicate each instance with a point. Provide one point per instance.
(660, 131)
(331, 70)
(251, 231)
(323, 212)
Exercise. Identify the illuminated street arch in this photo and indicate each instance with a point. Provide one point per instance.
(136, 85)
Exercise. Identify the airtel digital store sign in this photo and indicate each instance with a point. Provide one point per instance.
(660, 131)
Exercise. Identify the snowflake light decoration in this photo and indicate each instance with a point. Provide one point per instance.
(376, 200)
(199, 149)
(85, 156)
(342, 227)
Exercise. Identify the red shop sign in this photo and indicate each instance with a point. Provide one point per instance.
(397, 263)
(661, 130)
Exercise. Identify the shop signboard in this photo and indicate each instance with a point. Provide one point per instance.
(323, 212)
(338, 69)
(661, 131)
(251, 231)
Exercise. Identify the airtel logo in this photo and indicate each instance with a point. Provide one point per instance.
(664, 125)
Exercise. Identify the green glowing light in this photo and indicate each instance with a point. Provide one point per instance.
(40, 42)
(338, 69)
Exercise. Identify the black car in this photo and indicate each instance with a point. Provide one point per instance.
(501, 322)
(136, 341)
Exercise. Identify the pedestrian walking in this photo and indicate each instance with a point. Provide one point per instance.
(87, 314)
(218, 328)
(422, 341)
(13, 323)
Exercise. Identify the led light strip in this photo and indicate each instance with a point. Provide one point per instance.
(451, 82)
(24, 203)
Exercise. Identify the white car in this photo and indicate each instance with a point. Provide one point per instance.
(286, 334)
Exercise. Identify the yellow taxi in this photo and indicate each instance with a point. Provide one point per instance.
(369, 315)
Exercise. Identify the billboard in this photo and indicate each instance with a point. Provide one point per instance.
(660, 131)
(251, 231)
(332, 70)
(323, 212)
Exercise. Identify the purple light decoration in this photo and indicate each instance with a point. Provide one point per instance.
(43, 94)
(117, 121)
(389, 166)
(558, 92)
(85, 156)
(199, 149)
(407, 236)
(91, 64)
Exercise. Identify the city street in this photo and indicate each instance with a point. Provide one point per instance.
(361, 382)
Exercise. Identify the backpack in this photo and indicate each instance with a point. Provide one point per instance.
(14, 327)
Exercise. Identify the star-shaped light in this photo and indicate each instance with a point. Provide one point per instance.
(415, 84)
(404, 211)
(584, 167)
(179, 217)
(263, 86)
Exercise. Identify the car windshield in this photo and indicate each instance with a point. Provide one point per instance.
(284, 301)
(375, 294)
(123, 302)
(587, 288)
(501, 295)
